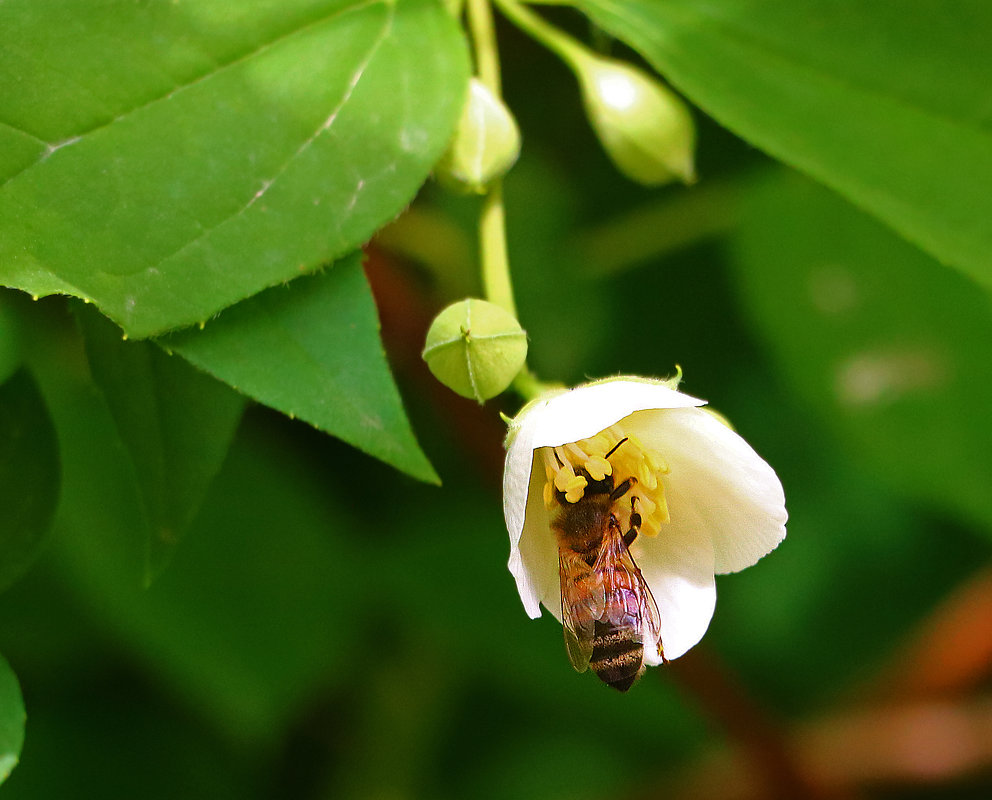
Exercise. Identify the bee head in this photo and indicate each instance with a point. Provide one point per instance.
(593, 487)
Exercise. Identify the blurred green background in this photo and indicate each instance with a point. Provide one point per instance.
(332, 629)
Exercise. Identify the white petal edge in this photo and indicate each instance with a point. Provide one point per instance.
(718, 485)
(586, 410)
(537, 553)
(677, 566)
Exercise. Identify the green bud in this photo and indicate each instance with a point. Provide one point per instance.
(644, 126)
(475, 348)
(485, 146)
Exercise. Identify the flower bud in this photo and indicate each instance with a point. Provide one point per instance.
(485, 146)
(475, 348)
(644, 126)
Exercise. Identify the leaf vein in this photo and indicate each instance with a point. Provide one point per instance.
(323, 128)
(173, 91)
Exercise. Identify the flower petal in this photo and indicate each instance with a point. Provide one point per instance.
(678, 568)
(517, 475)
(586, 410)
(717, 487)
(537, 571)
(533, 550)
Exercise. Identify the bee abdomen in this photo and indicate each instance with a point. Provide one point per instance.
(617, 655)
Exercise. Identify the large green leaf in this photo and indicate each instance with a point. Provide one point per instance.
(175, 421)
(11, 720)
(256, 609)
(891, 349)
(225, 147)
(887, 103)
(312, 350)
(29, 475)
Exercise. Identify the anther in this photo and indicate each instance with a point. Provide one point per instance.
(564, 477)
(575, 489)
(598, 468)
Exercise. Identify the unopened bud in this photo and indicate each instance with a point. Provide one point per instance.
(644, 126)
(485, 146)
(475, 348)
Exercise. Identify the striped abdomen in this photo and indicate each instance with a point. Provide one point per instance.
(617, 643)
(617, 655)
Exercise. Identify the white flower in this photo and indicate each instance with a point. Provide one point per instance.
(706, 502)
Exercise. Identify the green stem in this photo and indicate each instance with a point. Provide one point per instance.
(496, 282)
(480, 23)
(528, 386)
(495, 263)
(567, 48)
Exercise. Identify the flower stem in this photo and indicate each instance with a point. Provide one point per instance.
(495, 262)
(569, 50)
(492, 220)
(480, 23)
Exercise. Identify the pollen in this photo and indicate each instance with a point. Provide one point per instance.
(576, 490)
(598, 468)
(566, 481)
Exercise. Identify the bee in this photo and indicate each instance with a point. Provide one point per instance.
(608, 613)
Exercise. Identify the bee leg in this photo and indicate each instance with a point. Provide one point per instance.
(635, 524)
(635, 518)
(622, 489)
(616, 447)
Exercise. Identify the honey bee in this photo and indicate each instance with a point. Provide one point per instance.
(608, 613)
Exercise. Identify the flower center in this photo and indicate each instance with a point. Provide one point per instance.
(613, 456)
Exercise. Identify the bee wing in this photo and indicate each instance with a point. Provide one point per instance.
(619, 570)
(650, 617)
(578, 632)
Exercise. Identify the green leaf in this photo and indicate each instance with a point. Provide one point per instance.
(226, 147)
(311, 349)
(11, 720)
(885, 102)
(891, 349)
(175, 422)
(29, 475)
(257, 610)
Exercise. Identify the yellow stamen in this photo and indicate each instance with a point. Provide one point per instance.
(631, 459)
(598, 468)
(646, 477)
(563, 476)
(661, 514)
(577, 456)
(645, 506)
(575, 489)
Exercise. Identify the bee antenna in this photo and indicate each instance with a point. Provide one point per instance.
(616, 447)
